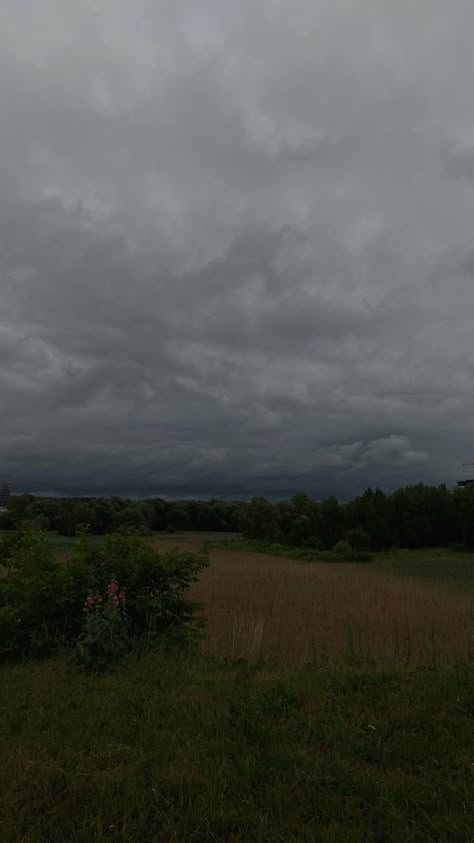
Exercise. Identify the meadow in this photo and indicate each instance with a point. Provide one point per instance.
(291, 611)
(408, 605)
(413, 606)
(326, 702)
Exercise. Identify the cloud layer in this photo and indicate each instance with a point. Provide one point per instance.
(236, 245)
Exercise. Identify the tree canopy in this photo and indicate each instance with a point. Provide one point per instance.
(413, 516)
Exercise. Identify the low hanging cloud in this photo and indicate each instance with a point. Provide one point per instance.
(236, 248)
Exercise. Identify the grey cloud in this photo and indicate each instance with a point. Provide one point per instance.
(459, 160)
(235, 245)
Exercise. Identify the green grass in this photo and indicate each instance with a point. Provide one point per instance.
(189, 749)
(444, 566)
(63, 543)
(183, 748)
(260, 546)
(284, 550)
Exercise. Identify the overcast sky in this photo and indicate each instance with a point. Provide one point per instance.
(236, 245)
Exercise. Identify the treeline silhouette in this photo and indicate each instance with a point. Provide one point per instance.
(100, 516)
(413, 516)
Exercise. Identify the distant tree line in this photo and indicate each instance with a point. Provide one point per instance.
(100, 516)
(413, 516)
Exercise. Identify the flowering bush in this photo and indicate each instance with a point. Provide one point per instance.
(106, 636)
(42, 603)
(157, 602)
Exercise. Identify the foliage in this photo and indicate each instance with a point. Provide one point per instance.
(260, 520)
(101, 516)
(447, 567)
(194, 749)
(413, 516)
(106, 637)
(37, 597)
(342, 552)
(156, 583)
(41, 597)
(358, 539)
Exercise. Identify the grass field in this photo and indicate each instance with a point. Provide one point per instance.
(411, 606)
(436, 564)
(440, 565)
(329, 702)
(408, 606)
(259, 606)
(191, 750)
(455, 570)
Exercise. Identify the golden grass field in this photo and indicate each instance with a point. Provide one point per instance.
(257, 606)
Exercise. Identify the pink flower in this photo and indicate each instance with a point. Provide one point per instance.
(112, 588)
(121, 596)
(90, 600)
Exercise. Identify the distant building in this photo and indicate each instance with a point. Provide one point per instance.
(462, 484)
(4, 494)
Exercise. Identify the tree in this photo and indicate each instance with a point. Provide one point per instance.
(330, 522)
(179, 517)
(69, 518)
(260, 520)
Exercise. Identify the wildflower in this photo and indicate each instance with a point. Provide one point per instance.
(112, 588)
(90, 600)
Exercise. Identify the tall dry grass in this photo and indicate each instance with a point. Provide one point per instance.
(261, 606)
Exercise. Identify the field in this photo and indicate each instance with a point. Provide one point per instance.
(191, 750)
(259, 606)
(411, 606)
(329, 702)
(408, 606)
(455, 570)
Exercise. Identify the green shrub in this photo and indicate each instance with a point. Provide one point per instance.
(133, 530)
(10, 543)
(361, 556)
(34, 597)
(358, 539)
(314, 542)
(342, 550)
(156, 583)
(42, 599)
(106, 637)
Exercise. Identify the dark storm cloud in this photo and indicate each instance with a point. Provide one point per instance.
(236, 250)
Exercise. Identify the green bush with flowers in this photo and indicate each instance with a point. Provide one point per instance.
(109, 596)
(105, 637)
